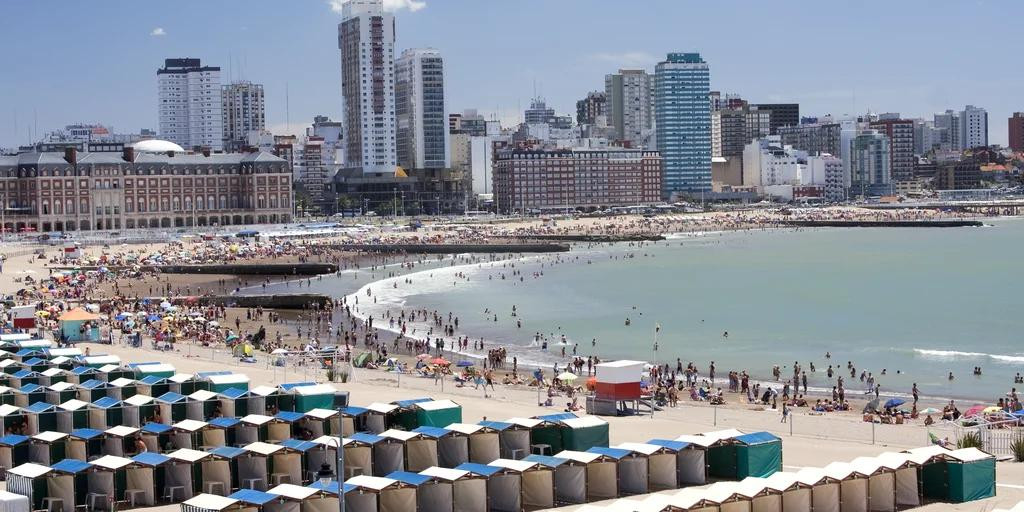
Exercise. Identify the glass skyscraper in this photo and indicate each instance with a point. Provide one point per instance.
(682, 115)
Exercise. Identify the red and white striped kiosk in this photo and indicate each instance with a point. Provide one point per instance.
(619, 380)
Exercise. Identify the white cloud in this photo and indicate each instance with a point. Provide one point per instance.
(626, 59)
(389, 5)
(157, 32)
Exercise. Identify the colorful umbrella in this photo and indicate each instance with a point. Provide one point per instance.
(991, 409)
(423, 357)
(464, 364)
(930, 410)
(894, 402)
(441, 361)
(567, 376)
(974, 411)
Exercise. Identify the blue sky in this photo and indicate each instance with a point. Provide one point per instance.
(95, 61)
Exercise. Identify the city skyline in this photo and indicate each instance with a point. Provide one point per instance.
(486, 72)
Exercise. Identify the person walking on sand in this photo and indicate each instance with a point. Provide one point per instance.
(785, 412)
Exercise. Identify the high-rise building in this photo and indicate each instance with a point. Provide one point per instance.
(682, 116)
(869, 164)
(782, 114)
(469, 122)
(901, 146)
(973, 127)
(422, 125)
(629, 97)
(590, 108)
(814, 138)
(243, 110)
(190, 104)
(366, 38)
(1016, 131)
(538, 113)
(949, 125)
(926, 136)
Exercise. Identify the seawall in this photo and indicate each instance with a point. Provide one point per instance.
(883, 223)
(455, 248)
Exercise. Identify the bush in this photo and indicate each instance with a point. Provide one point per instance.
(970, 440)
(1017, 446)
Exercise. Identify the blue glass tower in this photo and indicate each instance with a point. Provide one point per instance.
(682, 114)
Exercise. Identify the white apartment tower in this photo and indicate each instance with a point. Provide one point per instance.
(366, 38)
(973, 127)
(629, 104)
(422, 129)
(244, 112)
(190, 103)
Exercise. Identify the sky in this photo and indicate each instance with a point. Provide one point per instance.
(95, 62)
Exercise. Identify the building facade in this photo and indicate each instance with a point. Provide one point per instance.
(366, 38)
(814, 138)
(782, 114)
(244, 111)
(590, 108)
(532, 179)
(948, 123)
(630, 98)
(683, 123)
(1016, 130)
(190, 105)
(901, 146)
(76, 191)
(422, 124)
(973, 127)
(870, 173)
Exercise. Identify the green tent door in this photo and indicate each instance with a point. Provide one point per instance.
(584, 438)
(934, 481)
(760, 460)
(722, 462)
(548, 434)
(438, 417)
(971, 481)
(306, 403)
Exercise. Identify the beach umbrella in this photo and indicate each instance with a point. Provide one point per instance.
(423, 357)
(930, 410)
(872, 406)
(279, 351)
(464, 364)
(153, 318)
(974, 411)
(120, 316)
(567, 376)
(231, 337)
(214, 323)
(441, 361)
(991, 409)
(894, 402)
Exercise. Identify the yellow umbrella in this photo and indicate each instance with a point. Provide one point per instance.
(991, 409)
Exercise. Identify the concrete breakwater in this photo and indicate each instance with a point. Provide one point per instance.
(274, 301)
(240, 269)
(882, 223)
(455, 248)
(595, 238)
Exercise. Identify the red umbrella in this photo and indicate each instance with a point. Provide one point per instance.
(441, 361)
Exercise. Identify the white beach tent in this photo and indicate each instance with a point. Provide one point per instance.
(661, 464)
(728, 497)
(763, 498)
(587, 476)
(378, 494)
(185, 470)
(824, 489)
(254, 465)
(200, 404)
(11, 502)
(853, 486)
(515, 441)
(484, 443)
(115, 438)
(321, 422)
(248, 431)
(881, 483)
(133, 407)
(908, 491)
(796, 495)
(293, 499)
(469, 491)
(105, 480)
(389, 452)
(522, 484)
(210, 503)
(188, 434)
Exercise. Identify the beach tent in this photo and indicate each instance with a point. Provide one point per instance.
(92, 390)
(824, 489)
(36, 364)
(121, 388)
(220, 383)
(152, 385)
(9, 365)
(214, 503)
(661, 464)
(39, 417)
(360, 453)
(201, 405)
(380, 417)
(296, 498)
(452, 445)
(220, 470)
(157, 437)
(85, 444)
(734, 455)
(189, 434)
(959, 476)
(321, 422)
(581, 434)
(105, 412)
(485, 472)
(137, 409)
(405, 416)
(117, 440)
(631, 467)
(691, 465)
(171, 407)
(47, 448)
(573, 481)
(13, 450)
(107, 479)
(546, 435)
(420, 449)
(61, 392)
(162, 370)
(254, 468)
(182, 383)
(252, 428)
(235, 402)
(30, 480)
(468, 491)
(353, 419)
(100, 361)
(317, 396)
(21, 379)
(763, 498)
(81, 373)
(853, 486)
(184, 470)
(222, 431)
(881, 483)
(327, 500)
(29, 394)
(388, 450)
(424, 490)
(253, 500)
(79, 325)
(284, 399)
(69, 483)
(365, 493)
(728, 497)
(147, 476)
(51, 376)
(482, 442)
(65, 352)
(513, 438)
(11, 416)
(283, 426)
(437, 413)
(796, 495)
(7, 395)
(263, 399)
(287, 465)
(521, 484)
(311, 457)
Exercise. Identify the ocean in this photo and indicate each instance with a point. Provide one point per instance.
(914, 303)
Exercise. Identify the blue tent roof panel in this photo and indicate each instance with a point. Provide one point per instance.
(253, 497)
(227, 452)
(106, 402)
(496, 425)
(71, 466)
(405, 404)
(225, 422)
(289, 385)
(39, 408)
(290, 416)
(299, 445)
(435, 432)
(233, 393)
(479, 469)
(557, 417)
(171, 397)
(155, 428)
(409, 478)
(546, 460)
(670, 444)
(86, 433)
(757, 438)
(615, 453)
(365, 437)
(354, 411)
(150, 380)
(151, 458)
(13, 440)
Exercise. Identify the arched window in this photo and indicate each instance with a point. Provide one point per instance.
(70, 206)
(58, 207)
(211, 202)
(200, 204)
(46, 206)
(223, 202)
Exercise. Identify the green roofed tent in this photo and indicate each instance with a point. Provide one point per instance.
(317, 396)
(158, 369)
(438, 413)
(220, 383)
(959, 476)
(582, 434)
(758, 454)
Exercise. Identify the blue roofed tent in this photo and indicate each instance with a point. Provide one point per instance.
(40, 417)
(221, 432)
(171, 407)
(21, 379)
(105, 412)
(452, 445)
(222, 467)
(631, 468)
(29, 479)
(29, 394)
(157, 437)
(691, 468)
(152, 385)
(147, 474)
(957, 476)
(309, 453)
(13, 450)
(379, 494)
(513, 437)
(485, 472)
(483, 442)
(92, 390)
(353, 419)
(235, 402)
(758, 454)
(453, 490)
(661, 464)
(47, 448)
(36, 364)
(420, 449)
(283, 425)
(84, 443)
(253, 497)
(81, 373)
(69, 482)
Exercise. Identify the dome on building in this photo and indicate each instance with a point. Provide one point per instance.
(157, 146)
